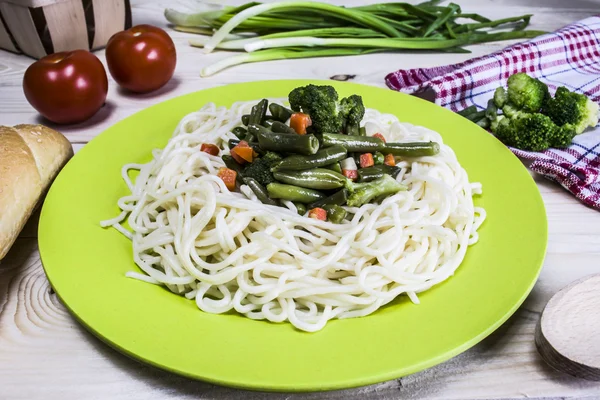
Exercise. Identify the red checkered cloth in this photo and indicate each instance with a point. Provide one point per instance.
(569, 57)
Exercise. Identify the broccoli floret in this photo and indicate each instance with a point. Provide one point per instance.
(352, 110)
(328, 115)
(260, 169)
(532, 132)
(500, 97)
(526, 93)
(362, 193)
(563, 136)
(572, 108)
(271, 158)
(321, 103)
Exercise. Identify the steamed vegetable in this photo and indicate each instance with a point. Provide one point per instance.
(260, 169)
(280, 163)
(335, 213)
(321, 158)
(318, 178)
(283, 142)
(260, 191)
(327, 112)
(293, 193)
(376, 172)
(412, 149)
(359, 144)
(362, 193)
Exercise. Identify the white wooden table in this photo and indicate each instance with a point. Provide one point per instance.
(46, 354)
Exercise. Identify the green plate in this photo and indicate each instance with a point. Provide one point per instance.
(86, 265)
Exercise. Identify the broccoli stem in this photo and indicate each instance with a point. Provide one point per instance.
(363, 193)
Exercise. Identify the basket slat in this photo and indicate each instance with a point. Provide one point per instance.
(66, 23)
(6, 42)
(19, 22)
(109, 17)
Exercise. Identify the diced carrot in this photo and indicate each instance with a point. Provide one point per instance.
(318, 213)
(299, 122)
(379, 136)
(237, 158)
(209, 148)
(389, 160)
(245, 153)
(228, 176)
(351, 174)
(366, 160)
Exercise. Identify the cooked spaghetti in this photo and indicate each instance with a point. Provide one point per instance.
(227, 250)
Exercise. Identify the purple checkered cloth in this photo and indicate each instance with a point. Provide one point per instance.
(569, 57)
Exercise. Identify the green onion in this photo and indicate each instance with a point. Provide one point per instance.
(288, 29)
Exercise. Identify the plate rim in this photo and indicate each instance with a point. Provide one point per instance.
(339, 383)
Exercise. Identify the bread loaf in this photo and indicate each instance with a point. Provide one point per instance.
(30, 158)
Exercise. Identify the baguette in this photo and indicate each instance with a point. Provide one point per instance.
(30, 158)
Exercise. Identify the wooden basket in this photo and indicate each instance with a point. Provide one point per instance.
(41, 27)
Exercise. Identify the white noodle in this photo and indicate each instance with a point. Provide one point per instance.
(228, 251)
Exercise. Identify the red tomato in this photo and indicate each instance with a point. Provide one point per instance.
(142, 58)
(66, 87)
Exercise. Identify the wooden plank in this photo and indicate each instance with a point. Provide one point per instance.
(67, 26)
(46, 354)
(19, 22)
(109, 17)
(6, 42)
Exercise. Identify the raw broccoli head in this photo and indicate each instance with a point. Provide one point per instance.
(526, 93)
(321, 103)
(532, 132)
(352, 110)
(260, 169)
(572, 108)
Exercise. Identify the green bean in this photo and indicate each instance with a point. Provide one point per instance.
(246, 119)
(412, 149)
(475, 116)
(260, 191)
(353, 130)
(232, 164)
(354, 143)
(300, 207)
(318, 178)
(484, 123)
(378, 158)
(284, 142)
(321, 158)
(335, 167)
(362, 131)
(340, 197)
(376, 172)
(491, 112)
(258, 113)
(293, 193)
(279, 112)
(280, 127)
(239, 131)
(335, 213)
(467, 111)
(267, 122)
